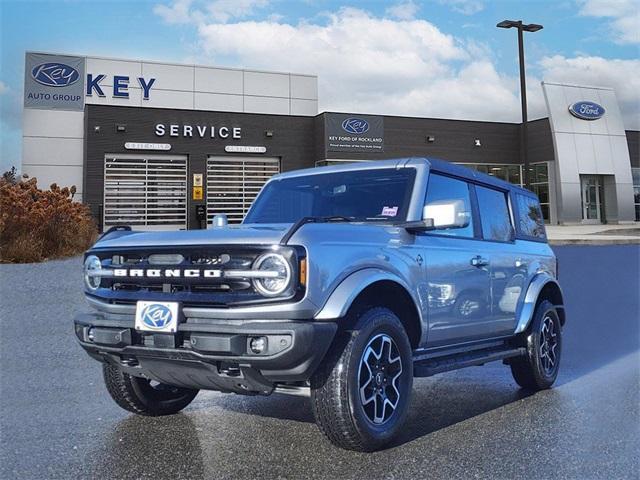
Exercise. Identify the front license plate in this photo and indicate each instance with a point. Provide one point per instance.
(161, 317)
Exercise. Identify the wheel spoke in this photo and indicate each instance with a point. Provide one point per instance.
(552, 355)
(548, 344)
(380, 407)
(363, 394)
(379, 373)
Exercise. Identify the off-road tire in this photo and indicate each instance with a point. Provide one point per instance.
(335, 387)
(139, 396)
(529, 371)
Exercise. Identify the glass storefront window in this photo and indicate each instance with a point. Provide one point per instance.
(539, 183)
(538, 179)
(509, 173)
(635, 172)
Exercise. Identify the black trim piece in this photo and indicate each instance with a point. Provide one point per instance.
(446, 350)
(307, 341)
(475, 212)
(455, 362)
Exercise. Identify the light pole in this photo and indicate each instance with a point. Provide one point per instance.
(532, 27)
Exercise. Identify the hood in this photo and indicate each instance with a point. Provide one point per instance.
(262, 234)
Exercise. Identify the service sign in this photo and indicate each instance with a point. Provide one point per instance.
(54, 82)
(586, 110)
(354, 133)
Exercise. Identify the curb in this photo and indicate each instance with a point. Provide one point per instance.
(580, 241)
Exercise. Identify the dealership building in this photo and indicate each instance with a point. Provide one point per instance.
(168, 146)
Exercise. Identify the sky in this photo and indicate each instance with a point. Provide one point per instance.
(427, 58)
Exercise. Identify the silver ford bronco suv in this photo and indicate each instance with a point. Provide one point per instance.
(342, 283)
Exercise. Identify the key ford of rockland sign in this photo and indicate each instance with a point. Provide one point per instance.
(347, 133)
(58, 82)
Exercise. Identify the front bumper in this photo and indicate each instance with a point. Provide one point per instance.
(212, 355)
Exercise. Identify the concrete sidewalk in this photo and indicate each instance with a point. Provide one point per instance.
(594, 234)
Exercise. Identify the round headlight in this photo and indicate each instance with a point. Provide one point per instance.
(277, 274)
(91, 265)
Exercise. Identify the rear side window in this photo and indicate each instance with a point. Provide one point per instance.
(494, 214)
(530, 219)
(446, 189)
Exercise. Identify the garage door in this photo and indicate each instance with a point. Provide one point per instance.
(234, 182)
(148, 192)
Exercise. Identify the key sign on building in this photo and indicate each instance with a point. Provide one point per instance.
(54, 82)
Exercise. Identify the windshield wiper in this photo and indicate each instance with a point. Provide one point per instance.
(336, 218)
(304, 220)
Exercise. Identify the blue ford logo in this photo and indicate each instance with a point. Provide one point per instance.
(156, 316)
(357, 126)
(55, 74)
(586, 110)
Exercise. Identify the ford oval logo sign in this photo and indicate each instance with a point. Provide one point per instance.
(586, 110)
(156, 316)
(357, 126)
(55, 74)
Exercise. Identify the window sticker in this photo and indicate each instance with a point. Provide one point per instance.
(389, 211)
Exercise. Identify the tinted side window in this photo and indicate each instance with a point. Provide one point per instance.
(441, 188)
(494, 214)
(530, 218)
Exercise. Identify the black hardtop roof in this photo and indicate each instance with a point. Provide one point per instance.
(470, 174)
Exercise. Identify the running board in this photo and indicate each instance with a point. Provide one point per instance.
(426, 368)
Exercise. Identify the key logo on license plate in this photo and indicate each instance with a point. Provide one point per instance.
(157, 316)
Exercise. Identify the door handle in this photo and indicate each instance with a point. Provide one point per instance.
(479, 261)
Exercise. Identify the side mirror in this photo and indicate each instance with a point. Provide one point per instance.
(419, 226)
(446, 214)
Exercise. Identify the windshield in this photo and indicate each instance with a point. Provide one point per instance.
(361, 195)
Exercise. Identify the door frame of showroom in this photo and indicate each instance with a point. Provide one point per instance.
(592, 199)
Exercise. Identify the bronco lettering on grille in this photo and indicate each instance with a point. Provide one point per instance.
(167, 273)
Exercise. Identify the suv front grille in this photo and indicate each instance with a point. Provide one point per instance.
(188, 290)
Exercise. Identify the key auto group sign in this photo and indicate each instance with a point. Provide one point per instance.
(59, 82)
(54, 82)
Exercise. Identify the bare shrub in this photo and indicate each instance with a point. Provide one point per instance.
(37, 225)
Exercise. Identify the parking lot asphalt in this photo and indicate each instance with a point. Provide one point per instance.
(57, 420)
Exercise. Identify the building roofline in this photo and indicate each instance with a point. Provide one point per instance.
(563, 84)
(177, 64)
(412, 117)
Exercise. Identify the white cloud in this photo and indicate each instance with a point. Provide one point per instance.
(403, 11)
(188, 11)
(622, 75)
(178, 12)
(371, 64)
(3, 88)
(466, 7)
(624, 15)
(224, 10)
